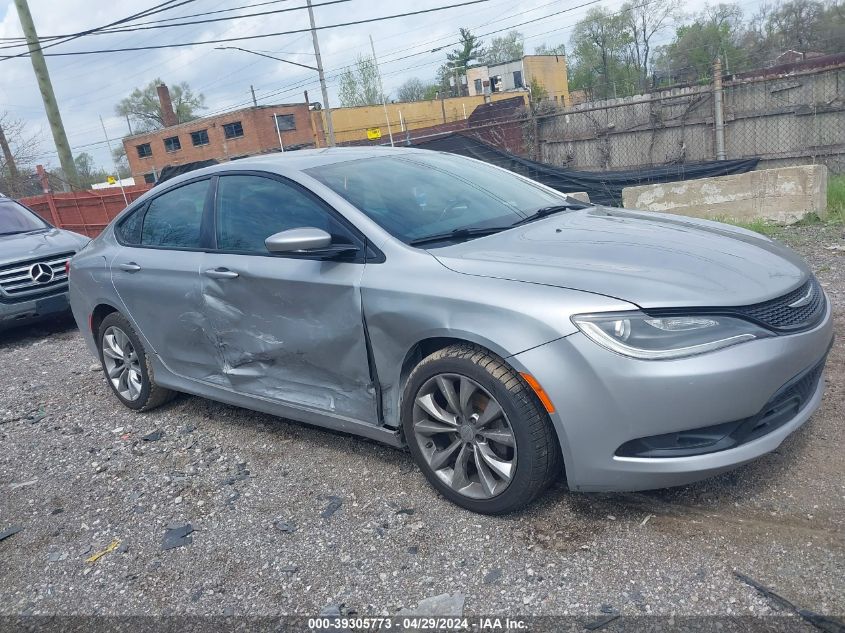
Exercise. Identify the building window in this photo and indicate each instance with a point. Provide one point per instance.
(200, 137)
(149, 178)
(172, 144)
(478, 87)
(517, 79)
(285, 122)
(144, 150)
(233, 130)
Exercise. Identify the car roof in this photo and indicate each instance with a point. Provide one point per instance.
(285, 163)
(300, 160)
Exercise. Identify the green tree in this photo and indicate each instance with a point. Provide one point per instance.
(359, 84)
(414, 90)
(536, 92)
(471, 50)
(599, 45)
(457, 61)
(716, 31)
(143, 109)
(504, 49)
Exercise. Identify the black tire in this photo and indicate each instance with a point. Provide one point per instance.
(539, 461)
(151, 395)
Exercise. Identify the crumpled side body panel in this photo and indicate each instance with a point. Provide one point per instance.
(289, 330)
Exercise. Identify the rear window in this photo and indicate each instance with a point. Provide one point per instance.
(171, 220)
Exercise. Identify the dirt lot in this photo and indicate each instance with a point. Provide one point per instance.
(76, 475)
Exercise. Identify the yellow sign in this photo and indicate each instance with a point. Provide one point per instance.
(374, 133)
(112, 180)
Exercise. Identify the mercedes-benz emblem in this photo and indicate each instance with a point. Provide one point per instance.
(41, 273)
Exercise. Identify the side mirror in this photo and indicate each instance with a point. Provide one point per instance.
(298, 240)
(308, 243)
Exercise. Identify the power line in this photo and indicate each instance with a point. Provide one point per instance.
(164, 6)
(253, 37)
(134, 27)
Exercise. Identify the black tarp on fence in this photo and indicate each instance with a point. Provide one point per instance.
(604, 187)
(171, 171)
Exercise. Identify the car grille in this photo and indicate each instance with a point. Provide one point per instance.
(778, 315)
(17, 282)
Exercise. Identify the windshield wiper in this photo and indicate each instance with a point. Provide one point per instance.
(546, 211)
(14, 232)
(458, 234)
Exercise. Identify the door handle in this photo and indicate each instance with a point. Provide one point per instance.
(220, 273)
(130, 267)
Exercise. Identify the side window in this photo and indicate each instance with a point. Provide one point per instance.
(130, 229)
(252, 208)
(174, 219)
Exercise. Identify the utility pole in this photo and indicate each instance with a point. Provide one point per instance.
(254, 100)
(718, 114)
(47, 94)
(381, 90)
(326, 107)
(10, 162)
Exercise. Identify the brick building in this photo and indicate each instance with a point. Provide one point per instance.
(244, 132)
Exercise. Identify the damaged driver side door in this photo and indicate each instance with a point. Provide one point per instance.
(287, 328)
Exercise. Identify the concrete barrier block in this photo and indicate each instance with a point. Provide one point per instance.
(785, 195)
(582, 196)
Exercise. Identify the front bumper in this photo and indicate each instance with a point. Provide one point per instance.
(21, 312)
(604, 400)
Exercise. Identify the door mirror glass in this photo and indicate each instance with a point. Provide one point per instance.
(298, 240)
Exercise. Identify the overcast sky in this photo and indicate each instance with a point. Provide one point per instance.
(90, 85)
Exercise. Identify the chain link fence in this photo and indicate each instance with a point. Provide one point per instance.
(783, 120)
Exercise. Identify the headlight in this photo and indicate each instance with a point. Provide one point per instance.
(639, 335)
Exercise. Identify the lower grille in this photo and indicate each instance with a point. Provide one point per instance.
(783, 407)
(33, 277)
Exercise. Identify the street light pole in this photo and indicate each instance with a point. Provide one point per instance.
(381, 90)
(326, 107)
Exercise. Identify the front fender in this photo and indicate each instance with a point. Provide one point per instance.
(506, 317)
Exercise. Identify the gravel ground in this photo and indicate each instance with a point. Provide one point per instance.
(288, 518)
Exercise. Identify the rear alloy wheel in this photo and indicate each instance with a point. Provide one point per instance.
(127, 367)
(477, 430)
(120, 361)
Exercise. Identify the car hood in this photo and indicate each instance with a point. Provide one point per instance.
(650, 259)
(14, 248)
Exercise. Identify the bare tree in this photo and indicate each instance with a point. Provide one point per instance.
(643, 22)
(20, 149)
(413, 90)
(359, 84)
(144, 109)
(504, 49)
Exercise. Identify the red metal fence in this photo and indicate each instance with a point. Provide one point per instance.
(85, 212)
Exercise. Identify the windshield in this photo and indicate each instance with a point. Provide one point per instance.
(15, 218)
(420, 195)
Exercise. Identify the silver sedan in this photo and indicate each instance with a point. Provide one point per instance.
(503, 332)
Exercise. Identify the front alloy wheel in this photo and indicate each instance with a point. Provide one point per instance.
(464, 436)
(478, 431)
